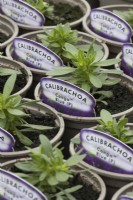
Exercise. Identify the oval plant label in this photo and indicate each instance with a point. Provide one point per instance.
(66, 98)
(21, 12)
(13, 187)
(109, 25)
(6, 141)
(35, 55)
(127, 59)
(106, 152)
(125, 197)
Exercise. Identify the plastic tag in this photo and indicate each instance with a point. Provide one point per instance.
(108, 25)
(35, 55)
(67, 98)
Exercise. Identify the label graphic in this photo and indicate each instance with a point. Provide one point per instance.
(21, 12)
(13, 187)
(35, 55)
(6, 141)
(127, 59)
(67, 98)
(108, 25)
(106, 152)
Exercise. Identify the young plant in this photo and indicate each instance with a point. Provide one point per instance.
(86, 70)
(49, 172)
(126, 15)
(116, 128)
(56, 38)
(12, 113)
(44, 7)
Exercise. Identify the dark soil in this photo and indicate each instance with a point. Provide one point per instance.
(121, 100)
(86, 192)
(3, 38)
(64, 13)
(93, 4)
(20, 82)
(47, 120)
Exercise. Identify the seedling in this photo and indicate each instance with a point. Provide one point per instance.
(116, 128)
(49, 172)
(12, 113)
(56, 38)
(43, 7)
(85, 70)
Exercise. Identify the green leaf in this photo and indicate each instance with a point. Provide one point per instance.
(75, 140)
(71, 48)
(106, 116)
(105, 93)
(108, 62)
(3, 123)
(112, 71)
(52, 181)
(58, 71)
(8, 71)
(24, 166)
(2, 115)
(46, 145)
(38, 127)
(98, 56)
(95, 81)
(23, 139)
(16, 112)
(9, 85)
(43, 176)
(74, 160)
(13, 101)
(62, 176)
(112, 81)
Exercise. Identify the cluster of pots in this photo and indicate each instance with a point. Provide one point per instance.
(69, 126)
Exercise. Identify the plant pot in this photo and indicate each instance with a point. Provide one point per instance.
(113, 2)
(118, 66)
(74, 124)
(88, 177)
(37, 73)
(8, 63)
(36, 109)
(9, 29)
(123, 191)
(114, 47)
(113, 181)
(84, 6)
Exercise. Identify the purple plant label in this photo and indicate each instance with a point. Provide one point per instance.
(109, 25)
(6, 141)
(66, 98)
(127, 59)
(21, 12)
(106, 152)
(14, 187)
(35, 55)
(125, 197)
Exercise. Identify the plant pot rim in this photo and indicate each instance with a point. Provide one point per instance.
(88, 119)
(14, 32)
(96, 179)
(53, 141)
(39, 71)
(118, 56)
(86, 21)
(117, 176)
(122, 190)
(72, 24)
(27, 73)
